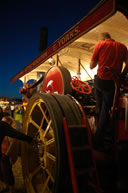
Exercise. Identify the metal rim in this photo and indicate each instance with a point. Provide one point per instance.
(45, 165)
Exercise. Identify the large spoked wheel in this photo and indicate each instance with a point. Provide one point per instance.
(45, 167)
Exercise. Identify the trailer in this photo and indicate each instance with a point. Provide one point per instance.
(61, 112)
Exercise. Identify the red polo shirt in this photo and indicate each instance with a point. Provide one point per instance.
(109, 53)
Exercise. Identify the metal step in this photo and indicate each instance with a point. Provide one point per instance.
(80, 156)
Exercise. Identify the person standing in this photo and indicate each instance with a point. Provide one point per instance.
(6, 174)
(1, 113)
(111, 54)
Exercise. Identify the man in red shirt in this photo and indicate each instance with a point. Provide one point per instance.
(108, 53)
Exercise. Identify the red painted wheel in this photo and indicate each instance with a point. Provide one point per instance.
(57, 80)
(80, 86)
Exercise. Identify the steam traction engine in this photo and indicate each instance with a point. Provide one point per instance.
(64, 159)
(61, 113)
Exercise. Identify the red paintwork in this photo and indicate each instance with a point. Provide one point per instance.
(53, 81)
(70, 157)
(80, 86)
(122, 133)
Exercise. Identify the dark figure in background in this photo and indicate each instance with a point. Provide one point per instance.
(1, 113)
(6, 174)
(107, 53)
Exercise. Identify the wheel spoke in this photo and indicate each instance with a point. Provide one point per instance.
(50, 141)
(43, 118)
(33, 173)
(47, 129)
(45, 185)
(52, 157)
(29, 184)
(44, 113)
(35, 124)
(50, 175)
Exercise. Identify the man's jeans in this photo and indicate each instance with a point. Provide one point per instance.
(104, 92)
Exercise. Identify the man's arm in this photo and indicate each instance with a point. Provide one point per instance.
(93, 64)
(94, 58)
(125, 71)
(11, 132)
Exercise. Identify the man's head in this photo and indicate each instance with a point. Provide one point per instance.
(104, 35)
(8, 120)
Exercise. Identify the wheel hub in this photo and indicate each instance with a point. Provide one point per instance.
(41, 149)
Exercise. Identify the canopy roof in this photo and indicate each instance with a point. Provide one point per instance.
(77, 44)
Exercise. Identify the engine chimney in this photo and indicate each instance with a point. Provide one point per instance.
(43, 39)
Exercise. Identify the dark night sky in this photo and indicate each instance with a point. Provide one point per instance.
(20, 23)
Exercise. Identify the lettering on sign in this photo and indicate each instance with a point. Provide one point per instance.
(44, 55)
(66, 38)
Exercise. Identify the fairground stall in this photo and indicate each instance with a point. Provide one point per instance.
(61, 112)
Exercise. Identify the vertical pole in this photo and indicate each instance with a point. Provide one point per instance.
(70, 157)
(57, 60)
(126, 113)
(78, 72)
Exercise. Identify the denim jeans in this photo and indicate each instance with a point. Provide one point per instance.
(104, 93)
